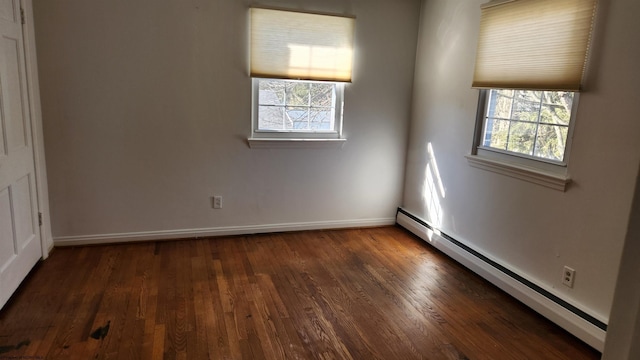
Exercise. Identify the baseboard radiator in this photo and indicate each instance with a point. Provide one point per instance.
(576, 321)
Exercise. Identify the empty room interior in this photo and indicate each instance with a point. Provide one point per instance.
(220, 179)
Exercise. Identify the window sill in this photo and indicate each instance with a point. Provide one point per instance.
(291, 143)
(546, 178)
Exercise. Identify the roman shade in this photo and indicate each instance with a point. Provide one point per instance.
(304, 46)
(533, 44)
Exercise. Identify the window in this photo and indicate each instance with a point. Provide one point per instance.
(533, 124)
(292, 106)
(529, 67)
(300, 63)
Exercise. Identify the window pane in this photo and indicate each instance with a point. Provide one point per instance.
(496, 134)
(521, 137)
(504, 92)
(555, 114)
(564, 98)
(551, 142)
(500, 104)
(528, 95)
(503, 106)
(526, 105)
(321, 119)
(322, 94)
(297, 93)
(271, 92)
(298, 118)
(556, 107)
(271, 118)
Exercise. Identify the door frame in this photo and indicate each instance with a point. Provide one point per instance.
(37, 134)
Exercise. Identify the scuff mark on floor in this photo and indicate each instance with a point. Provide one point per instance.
(101, 332)
(7, 348)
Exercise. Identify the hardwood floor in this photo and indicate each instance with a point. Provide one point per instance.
(346, 294)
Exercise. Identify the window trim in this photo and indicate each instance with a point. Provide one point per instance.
(296, 138)
(549, 173)
(549, 179)
(295, 143)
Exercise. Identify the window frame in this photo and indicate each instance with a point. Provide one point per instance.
(289, 138)
(547, 172)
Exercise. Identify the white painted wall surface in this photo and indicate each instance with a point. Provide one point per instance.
(531, 229)
(146, 108)
(624, 327)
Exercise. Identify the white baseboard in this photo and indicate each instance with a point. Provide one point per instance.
(215, 231)
(563, 317)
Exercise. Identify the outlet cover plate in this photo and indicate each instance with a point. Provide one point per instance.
(568, 276)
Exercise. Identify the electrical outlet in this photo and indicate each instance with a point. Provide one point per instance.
(217, 202)
(568, 275)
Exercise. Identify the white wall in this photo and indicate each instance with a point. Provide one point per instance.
(624, 328)
(146, 108)
(531, 229)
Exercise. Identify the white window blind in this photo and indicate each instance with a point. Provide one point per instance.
(533, 44)
(303, 46)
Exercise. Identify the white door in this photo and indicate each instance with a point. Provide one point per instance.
(20, 246)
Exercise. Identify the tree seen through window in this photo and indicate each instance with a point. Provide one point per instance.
(534, 123)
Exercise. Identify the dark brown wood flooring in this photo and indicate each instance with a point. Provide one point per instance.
(376, 293)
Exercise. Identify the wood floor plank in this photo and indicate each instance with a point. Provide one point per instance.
(378, 293)
(410, 302)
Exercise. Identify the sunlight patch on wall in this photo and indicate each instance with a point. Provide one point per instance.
(432, 189)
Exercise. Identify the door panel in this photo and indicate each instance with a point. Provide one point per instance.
(7, 247)
(8, 10)
(20, 246)
(23, 212)
(3, 133)
(13, 106)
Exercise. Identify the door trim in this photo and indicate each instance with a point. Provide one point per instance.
(37, 134)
